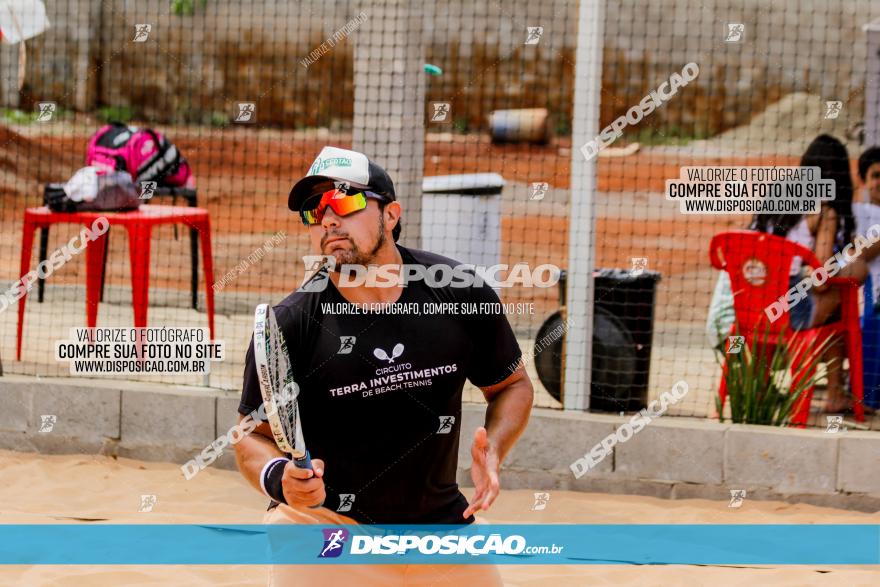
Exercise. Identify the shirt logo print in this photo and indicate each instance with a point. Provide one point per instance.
(395, 352)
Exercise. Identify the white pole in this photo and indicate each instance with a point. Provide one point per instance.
(582, 225)
(389, 100)
(872, 84)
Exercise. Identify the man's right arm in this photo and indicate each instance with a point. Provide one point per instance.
(257, 449)
(303, 487)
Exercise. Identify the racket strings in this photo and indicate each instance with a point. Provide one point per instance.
(285, 396)
(277, 384)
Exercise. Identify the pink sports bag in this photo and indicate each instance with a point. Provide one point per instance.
(143, 152)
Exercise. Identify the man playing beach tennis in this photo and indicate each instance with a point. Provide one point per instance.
(380, 388)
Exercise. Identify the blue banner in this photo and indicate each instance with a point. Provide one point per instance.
(571, 544)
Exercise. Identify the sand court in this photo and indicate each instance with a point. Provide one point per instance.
(82, 489)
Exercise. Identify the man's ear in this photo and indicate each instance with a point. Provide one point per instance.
(392, 212)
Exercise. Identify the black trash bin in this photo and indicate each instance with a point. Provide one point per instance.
(623, 328)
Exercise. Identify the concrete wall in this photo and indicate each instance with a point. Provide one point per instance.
(136, 420)
(671, 458)
(680, 458)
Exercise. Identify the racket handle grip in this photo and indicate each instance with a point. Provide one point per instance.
(304, 462)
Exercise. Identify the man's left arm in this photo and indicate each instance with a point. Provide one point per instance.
(510, 403)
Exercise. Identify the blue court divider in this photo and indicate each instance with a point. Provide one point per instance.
(571, 544)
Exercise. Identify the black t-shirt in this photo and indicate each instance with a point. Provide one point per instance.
(383, 410)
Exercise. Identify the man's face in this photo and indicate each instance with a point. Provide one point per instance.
(354, 239)
(872, 183)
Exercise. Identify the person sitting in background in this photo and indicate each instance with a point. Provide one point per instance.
(867, 214)
(825, 234)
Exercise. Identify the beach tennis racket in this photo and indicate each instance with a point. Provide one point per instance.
(277, 387)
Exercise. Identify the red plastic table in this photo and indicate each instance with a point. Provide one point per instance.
(139, 224)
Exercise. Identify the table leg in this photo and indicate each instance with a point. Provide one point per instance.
(95, 254)
(139, 254)
(104, 266)
(27, 242)
(194, 261)
(190, 197)
(44, 253)
(204, 229)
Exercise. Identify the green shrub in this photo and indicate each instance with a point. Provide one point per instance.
(759, 388)
(115, 113)
(185, 7)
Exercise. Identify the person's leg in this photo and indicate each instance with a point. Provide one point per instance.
(826, 309)
(857, 270)
(827, 301)
(322, 575)
(453, 575)
(837, 400)
(825, 305)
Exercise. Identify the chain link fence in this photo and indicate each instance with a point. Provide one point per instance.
(562, 123)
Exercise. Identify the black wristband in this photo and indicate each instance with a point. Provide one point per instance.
(271, 479)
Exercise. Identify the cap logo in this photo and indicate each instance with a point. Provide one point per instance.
(320, 165)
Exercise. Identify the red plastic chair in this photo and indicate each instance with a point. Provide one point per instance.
(758, 265)
(139, 224)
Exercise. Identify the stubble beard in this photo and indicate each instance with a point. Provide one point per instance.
(356, 256)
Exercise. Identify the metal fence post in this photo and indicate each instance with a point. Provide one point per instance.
(389, 100)
(872, 84)
(582, 230)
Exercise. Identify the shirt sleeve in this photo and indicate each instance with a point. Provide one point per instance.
(497, 352)
(251, 398)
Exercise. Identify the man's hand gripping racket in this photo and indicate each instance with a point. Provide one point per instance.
(301, 484)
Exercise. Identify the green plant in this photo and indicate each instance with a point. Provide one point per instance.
(671, 135)
(219, 119)
(759, 388)
(185, 7)
(15, 116)
(563, 126)
(115, 113)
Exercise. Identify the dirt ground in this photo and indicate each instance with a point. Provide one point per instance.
(243, 179)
